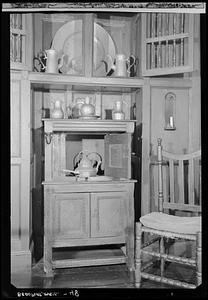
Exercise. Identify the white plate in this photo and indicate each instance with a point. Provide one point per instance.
(68, 41)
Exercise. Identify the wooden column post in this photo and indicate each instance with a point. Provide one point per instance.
(146, 121)
(198, 258)
(88, 32)
(47, 258)
(138, 261)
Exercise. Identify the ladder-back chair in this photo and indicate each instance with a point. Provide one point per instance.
(179, 189)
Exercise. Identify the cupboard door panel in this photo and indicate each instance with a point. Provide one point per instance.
(118, 155)
(21, 41)
(15, 207)
(167, 43)
(107, 214)
(15, 112)
(71, 215)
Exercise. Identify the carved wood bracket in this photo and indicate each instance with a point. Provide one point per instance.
(48, 137)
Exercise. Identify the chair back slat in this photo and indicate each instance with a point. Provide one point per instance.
(181, 181)
(179, 206)
(171, 172)
(173, 156)
(165, 175)
(190, 181)
(160, 178)
(183, 190)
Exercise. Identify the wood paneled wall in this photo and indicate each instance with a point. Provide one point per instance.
(20, 169)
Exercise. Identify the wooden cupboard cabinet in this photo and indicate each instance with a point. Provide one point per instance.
(88, 212)
(102, 214)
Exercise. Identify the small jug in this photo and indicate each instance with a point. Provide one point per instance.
(57, 112)
(118, 113)
(48, 60)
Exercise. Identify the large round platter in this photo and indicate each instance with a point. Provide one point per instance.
(68, 40)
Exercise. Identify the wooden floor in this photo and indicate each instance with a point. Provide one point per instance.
(106, 278)
(112, 276)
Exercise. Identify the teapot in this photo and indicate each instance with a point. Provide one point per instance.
(75, 110)
(86, 167)
(87, 109)
(49, 61)
(120, 65)
(81, 108)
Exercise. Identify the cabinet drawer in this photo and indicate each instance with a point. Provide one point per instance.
(71, 215)
(108, 214)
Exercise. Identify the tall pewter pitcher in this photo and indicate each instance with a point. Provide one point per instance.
(49, 61)
(121, 65)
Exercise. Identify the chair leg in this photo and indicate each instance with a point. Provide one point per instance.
(162, 261)
(198, 258)
(138, 255)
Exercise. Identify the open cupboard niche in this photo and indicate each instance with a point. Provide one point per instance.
(72, 135)
(113, 149)
(103, 98)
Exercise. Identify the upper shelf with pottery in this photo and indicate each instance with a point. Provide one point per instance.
(87, 44)
(113, 44)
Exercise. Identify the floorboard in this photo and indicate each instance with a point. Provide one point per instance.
(113, 276)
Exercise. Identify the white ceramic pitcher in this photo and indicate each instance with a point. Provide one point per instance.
(57, 111)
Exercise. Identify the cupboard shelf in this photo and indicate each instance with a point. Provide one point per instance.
(59, 81)
(73, 185)
(89, 258)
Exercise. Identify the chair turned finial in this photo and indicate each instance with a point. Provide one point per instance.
(159, 141)
(159, 150)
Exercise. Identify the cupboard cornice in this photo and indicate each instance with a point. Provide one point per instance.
(101, 126)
